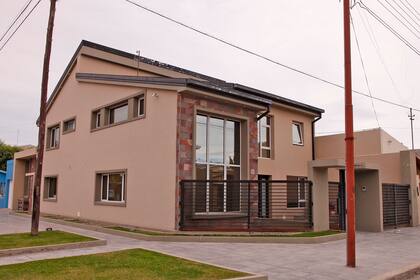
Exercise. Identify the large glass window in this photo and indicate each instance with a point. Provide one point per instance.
(217, 154)
(264, 137)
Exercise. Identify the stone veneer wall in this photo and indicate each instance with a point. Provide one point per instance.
(185, 130)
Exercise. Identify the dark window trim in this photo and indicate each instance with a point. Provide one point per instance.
(48, 142)
(45, 193)
(70, 130)
(110, 203)
(132, 112)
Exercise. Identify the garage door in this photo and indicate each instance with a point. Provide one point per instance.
(396, 205)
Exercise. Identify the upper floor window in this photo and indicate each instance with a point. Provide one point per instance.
(297, 133)
(118, 113)
(140, 106)
(53, 139)
(69, 125)
(264, 137)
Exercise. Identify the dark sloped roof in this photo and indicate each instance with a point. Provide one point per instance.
(186, 82)
(211, 80)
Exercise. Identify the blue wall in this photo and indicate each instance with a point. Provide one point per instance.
(5, 179)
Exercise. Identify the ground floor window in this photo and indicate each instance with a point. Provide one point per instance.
(112, 186)
(296, 192)
(50, 188)
(264, 196)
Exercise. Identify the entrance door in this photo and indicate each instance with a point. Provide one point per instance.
(263, 196)
(4, 197)
(396, 205)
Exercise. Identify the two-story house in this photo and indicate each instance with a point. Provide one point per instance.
(125, 134)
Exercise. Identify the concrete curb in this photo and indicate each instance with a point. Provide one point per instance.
(54, 247)
(203, 238)
(406, 272)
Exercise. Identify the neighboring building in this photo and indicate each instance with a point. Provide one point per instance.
(21, 187)
(3, 191)
(387, 179)
(123, 131)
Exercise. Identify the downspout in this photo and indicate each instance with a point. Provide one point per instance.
(313, 135)
(265, 113)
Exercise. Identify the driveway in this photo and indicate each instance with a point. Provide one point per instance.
(377, 252)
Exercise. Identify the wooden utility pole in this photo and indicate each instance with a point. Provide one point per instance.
(351, 221)
(41, 124)
(411, 117)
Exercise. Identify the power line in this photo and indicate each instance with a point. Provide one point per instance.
(16, 19)
(364, 70)
(412, 7)
(386, 25)
(406, 26)
(10, 37)
(402, 9)
(372, 37)
(262, 56)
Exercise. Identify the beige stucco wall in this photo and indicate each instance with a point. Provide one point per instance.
(146, 148)
(287, 159)
(389, 144)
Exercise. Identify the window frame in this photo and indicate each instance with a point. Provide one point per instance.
(101, 116)
(69, 130)
(300, 128)
(50, 129)
(99, 188)
(46, 193)
(224, 164)
(111, 109)
(270, 138)
(299, 200)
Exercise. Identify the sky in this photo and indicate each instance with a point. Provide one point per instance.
(303, 34)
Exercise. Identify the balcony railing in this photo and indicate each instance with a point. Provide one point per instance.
(246, 205)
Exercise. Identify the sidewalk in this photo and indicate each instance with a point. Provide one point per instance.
(377, 252)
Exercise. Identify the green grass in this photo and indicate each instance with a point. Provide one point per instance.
(156, 233)
(127, 264)
(20, 240)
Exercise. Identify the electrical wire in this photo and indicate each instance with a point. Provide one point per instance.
(387, 26)
(26, 17)
(404, 10)
(412, 7)
(264, 57)
(372, 37)
(395, 16)
(16, 19)
(364, 71)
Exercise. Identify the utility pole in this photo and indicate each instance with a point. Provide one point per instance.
(411, 117)
(42, 115)
(351, 222)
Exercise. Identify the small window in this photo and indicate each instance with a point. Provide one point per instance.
(140, 106)
(53, 137)
(297, 133)
(97, 118)
(118, 114)
(296, 192)
(264, 137)
(50, 188)
(112, 187)
(69, 125)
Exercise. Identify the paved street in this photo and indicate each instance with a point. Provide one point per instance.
(377, 253)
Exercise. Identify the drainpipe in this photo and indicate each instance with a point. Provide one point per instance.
(265, 113)
(313, 135)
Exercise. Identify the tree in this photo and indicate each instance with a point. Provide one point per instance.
(6, 153)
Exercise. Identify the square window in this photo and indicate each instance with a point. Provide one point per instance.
(111, 187)
(118, 114)
(69, 125)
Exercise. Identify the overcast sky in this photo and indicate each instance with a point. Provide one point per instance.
(300, 33)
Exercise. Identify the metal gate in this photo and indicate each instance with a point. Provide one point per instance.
(396, 205)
